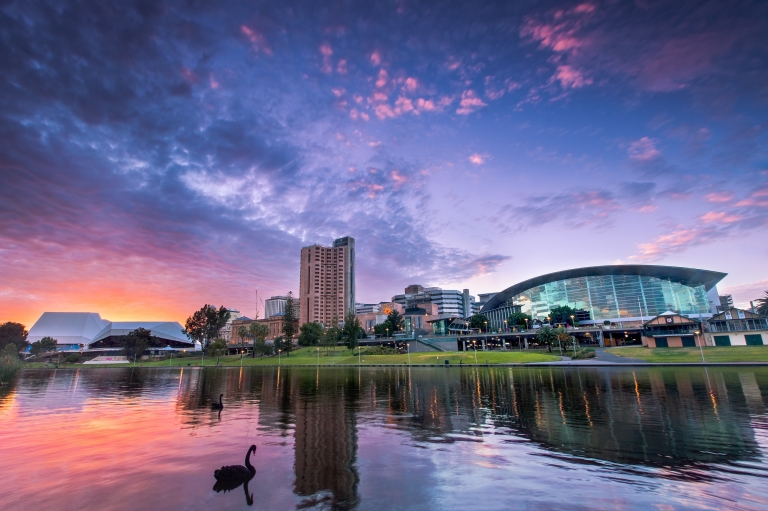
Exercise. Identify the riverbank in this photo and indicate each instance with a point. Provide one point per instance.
(340, 357)
(712, 354)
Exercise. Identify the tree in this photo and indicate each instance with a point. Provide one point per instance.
(136, 342)
(396, 321)
(519, 319)
(310, 334)
(351, 331)
(217, 348)
(203, 326)
(332, 335)
(564, 339)
(479, 321)
(258, 332)
(14, 333)
(244, 334)
(762, 305)
(289, 320)
(44, 345)
(562, 315)
(384, 329)
(10, 351)
(546, 336)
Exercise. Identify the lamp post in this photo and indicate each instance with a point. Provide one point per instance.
(409, 353)
(486, 326)
(505, 326)
(700, 348)
(526, 324)
(318, 357)
(358, 356)
(278, 356)
(573, 323)
(474, 345)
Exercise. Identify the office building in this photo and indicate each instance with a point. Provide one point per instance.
(449, 301)
(274, 306)
(631, 293)
(726, 303)
(327, 282)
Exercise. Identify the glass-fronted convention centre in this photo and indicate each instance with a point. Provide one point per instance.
(617, 293)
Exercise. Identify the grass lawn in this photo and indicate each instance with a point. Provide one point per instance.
(711, 354)
(342, 356)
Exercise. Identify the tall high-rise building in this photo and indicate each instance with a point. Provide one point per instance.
(327, 281)
(448, 301)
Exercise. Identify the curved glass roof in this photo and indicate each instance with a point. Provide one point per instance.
(686, 276)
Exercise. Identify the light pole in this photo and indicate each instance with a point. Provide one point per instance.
(409, 353)
(278, 357)
(573, 323)
(505, 326)
(486, 326)
(700, 348)
(358, 356)
(318, 357)
(474, 344)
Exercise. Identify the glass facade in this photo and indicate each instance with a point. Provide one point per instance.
(614, 296)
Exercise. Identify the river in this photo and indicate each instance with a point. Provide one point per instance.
(387, 438)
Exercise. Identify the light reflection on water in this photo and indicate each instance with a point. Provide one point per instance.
(387, 438)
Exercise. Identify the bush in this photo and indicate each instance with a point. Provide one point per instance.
(8, 367)
(379, 350)
(74, 358)
(582, 353)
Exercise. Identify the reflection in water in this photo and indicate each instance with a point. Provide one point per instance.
(344, 438)
(230, 477)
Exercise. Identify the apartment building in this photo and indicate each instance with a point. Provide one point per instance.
(327, 281)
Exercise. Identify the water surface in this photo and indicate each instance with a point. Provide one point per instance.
(387, 438)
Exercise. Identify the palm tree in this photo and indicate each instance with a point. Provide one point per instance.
(762, 305)
(546, 336)
(564, 338)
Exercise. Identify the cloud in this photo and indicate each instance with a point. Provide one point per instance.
(469, 103)
(571, 78)
(477, 158)
(574, 209)
(643, 150)
(719, 197)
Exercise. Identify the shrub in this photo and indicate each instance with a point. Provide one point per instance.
(582, 353)
(8, 367)
(74, 358)
(380, 350)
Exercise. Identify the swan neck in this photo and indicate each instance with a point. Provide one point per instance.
(248, 460)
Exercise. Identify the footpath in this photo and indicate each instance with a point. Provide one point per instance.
(603, 358)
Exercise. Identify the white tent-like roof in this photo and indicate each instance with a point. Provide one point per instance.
(88, 327)
(68, 327)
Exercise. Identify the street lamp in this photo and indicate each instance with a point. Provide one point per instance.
(700, 348)
(318, 357)
(278, 356)
(474, 345)
(526, 324)
(573, 323)
(409, 353)
(505, 326)
(486, 326)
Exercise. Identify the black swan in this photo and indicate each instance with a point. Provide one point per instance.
(219, 405)
(232, 476)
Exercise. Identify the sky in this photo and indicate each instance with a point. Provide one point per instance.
(156, 156)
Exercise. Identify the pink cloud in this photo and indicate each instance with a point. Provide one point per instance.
(326, 51)
(571, 78)
(341, 68)
(477, 158)
(381, 81)
(719, 197)
(719, 216)
(648, 208)
(643, 150)
(214, 83)
(676, 241)
(453, 63)
(376, 58)
(469, 103)
(404, 105)
(364, 116)
(411, 84)
(378, 96)
(398, 178)
(353, 114)
(338, 92)
(258, 41)
(425, 104)
(384, 111)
